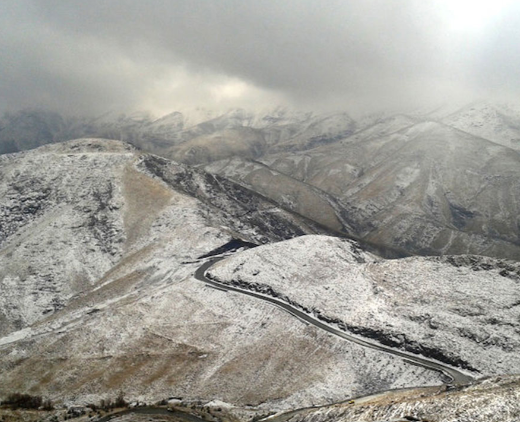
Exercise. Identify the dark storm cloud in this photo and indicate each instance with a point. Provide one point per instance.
(91, 56)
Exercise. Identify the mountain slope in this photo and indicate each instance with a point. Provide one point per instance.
(287, 192)
(99, 244)
(494, 122)
(72, 212)
(492, 400)
(425, 189)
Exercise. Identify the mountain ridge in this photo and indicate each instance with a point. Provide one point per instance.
(407, 182)
(98, 293)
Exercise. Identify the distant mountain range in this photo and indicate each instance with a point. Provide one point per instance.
(438, 182)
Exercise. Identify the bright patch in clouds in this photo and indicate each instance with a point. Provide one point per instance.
(472, 15)
(229, 90)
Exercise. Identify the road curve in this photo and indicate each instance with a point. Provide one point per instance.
(455, 376)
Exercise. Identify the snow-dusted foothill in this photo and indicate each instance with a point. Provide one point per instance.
(492, 400)
(71, 212)
(460, 310)
(99, 243)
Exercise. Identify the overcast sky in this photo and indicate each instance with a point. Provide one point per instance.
(92, 56)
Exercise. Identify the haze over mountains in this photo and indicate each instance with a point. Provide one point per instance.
(436, 182)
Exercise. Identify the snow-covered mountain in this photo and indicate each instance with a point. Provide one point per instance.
(427, 182)
(31, 128)
(422, 187)
(278, 130)
(98, 249)
(499, 123)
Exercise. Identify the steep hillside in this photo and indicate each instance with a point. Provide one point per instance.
(438, 190)
(425, 189)
(288, 192)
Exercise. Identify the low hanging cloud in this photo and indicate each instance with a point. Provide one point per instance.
(90, 57)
